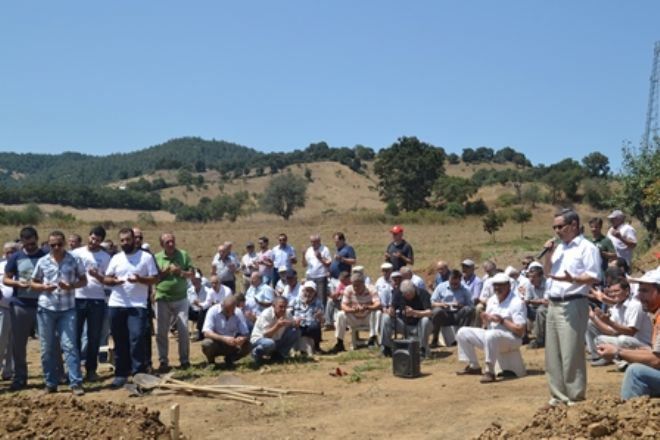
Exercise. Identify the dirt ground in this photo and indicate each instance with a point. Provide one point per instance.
(367, 403)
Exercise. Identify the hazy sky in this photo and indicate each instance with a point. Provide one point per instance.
(551, 79)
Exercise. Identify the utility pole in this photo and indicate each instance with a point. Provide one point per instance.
(652, 114)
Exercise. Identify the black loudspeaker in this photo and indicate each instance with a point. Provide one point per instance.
(405, 358)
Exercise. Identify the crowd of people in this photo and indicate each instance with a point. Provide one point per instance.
(576, 299)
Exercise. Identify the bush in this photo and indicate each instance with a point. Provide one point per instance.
(506, 199)
(455, 209)
(598, 194)
(477, 207)
(61, 218)
(392, 208)
(146, 219)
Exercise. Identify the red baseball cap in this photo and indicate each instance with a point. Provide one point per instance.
(396, 229)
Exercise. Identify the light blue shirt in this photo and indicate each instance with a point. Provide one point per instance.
(217, 322)
(282, 256)
(255, 295)
(474, 285)
(49, 271)
(444, 293)
(305, 311)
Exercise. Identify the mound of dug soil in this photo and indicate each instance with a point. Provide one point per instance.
(59, 417)
(600, 418)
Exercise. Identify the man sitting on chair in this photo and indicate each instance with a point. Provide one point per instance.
(452, 305)
(505, 319)
(410, 313)
(358, 302)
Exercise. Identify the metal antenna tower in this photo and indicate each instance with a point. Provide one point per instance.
(652, 114)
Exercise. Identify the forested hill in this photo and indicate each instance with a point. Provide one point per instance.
(191, 153)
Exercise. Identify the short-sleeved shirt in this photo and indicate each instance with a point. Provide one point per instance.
(21, 267)
(124, 265)
(622, 249)
(217, 322)
(421, 301)
(439, 278)
(368, 297)
(337, 266)
(631, 314)
(265, 321)
(172, 287)
(7, 292)
(444, 293)
(512, 308)
(384, 289)
(282, 256)
(214, 297)
(315, 267)
(578, 257)
(306, 311)
(474, 285)
(404, 247)
(536, 293)
(195, 295)
(255, 295)
(265, 271)
(98, 260)
(48, 271)
(225, 268)
(604, 244)
(248, 263)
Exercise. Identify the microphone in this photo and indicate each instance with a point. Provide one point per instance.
(547, 249)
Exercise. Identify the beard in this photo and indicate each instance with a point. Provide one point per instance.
(127, 248)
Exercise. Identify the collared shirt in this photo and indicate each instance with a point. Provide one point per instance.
(315, 267)
(604, 244)
(418, 281)
(282, 256)
(217, 322)
(267, 255)
(406, 250)
(225, 268)
(439, 278)
(122, 266)
(622, 249)
(338, 266)
(48, 271)
(21, 267)
(536, 293)
(512, 308)
(214, 297)
(384, 289)
(98, 260)
(265, 321)
(291, 293)
(249, 263)
(172, 287)
(306, 311)
(444, 293)
(631, 314)
(262, 294)
(368, 297)
(474, 285)
(578, 257)
(195, 295)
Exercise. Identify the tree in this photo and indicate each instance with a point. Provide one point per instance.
(407, 171)
(448, 189)
(184, 177)
(308, 174)
(641, 186)
(492, 222)
(453, 159)
(284, 195)
(531, 194)
(596, 164)
(521, 216)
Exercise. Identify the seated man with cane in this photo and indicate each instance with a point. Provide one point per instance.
(505, 318)
(410, 314)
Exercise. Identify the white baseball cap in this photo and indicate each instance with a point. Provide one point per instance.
(650, 277)
(309, 284)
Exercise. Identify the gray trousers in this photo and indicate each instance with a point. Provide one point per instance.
(422, 330)
(565, 361)
(166, 313)
(538, 328)
(23, 319)
(213, 349)
(6, 344)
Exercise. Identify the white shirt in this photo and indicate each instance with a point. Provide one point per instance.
(631, 314)
(266, 320)
(291, 294)
(255, 295)
(315, 267)
(384, 289)
(578, 257)
(522, 286)
(622, 249)
(282, 256)
(249, 264)
(7, 292)
(216, 297)
(487, 290)
(217, 322)
(122, 266)
(199, 296)
(418, 281)
(92, 260)
(512, 308)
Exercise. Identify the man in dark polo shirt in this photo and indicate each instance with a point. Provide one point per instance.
(399, 252)
(344, 257)
(411, 314)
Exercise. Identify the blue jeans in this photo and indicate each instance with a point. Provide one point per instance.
(128, 325)
(52, 325)
(640, 380)
(90, 312)
(266, 346)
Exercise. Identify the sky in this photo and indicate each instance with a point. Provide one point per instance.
(550, 79)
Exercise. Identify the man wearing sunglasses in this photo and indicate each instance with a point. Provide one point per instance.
(573, 264)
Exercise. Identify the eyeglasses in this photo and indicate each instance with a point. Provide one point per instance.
(558, 227)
